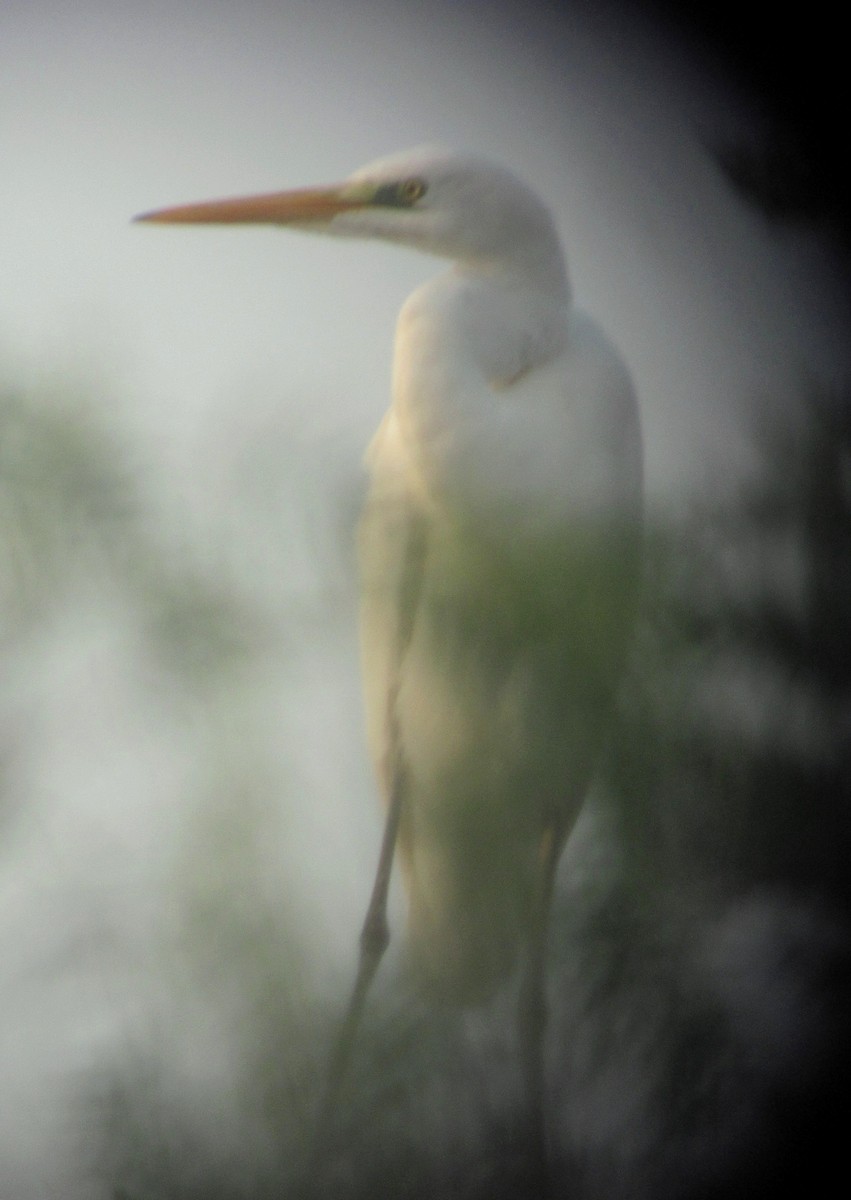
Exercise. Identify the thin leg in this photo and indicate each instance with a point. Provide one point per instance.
(375, 934)
(532, 1006)
(374, 939)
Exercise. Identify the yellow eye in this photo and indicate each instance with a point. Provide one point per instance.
(411, 190)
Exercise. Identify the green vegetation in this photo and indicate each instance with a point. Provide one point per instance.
(699, 948)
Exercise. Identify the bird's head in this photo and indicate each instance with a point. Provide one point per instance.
(456, 206)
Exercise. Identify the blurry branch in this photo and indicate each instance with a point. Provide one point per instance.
(793, 177)
(732, 758)
(65, 504)
(780, 179)
(73, 523)
(89, 540)
(704, 977)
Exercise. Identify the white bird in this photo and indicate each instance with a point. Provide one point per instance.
(499, 552)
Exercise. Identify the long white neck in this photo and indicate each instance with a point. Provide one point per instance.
(474, 330)
(506, 323)
(470, 345)
(511, 410)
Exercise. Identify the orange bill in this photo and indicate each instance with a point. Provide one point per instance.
(273, 208)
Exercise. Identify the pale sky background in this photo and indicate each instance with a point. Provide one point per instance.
(206, 336)
(109, 109)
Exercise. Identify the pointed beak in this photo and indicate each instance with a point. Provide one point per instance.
(304, 205)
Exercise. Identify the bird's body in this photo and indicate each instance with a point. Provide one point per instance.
(499, 547)
(508, 489)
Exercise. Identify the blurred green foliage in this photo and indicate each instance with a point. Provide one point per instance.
(702, 910)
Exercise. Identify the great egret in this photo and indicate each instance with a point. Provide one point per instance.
(499, 552)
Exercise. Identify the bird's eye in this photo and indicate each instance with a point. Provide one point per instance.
(411, 190)
(400, 195)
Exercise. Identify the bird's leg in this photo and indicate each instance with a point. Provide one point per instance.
(374, 939)
(532, 1006)
(375, 933)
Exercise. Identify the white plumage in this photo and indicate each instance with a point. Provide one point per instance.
(499, 546)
